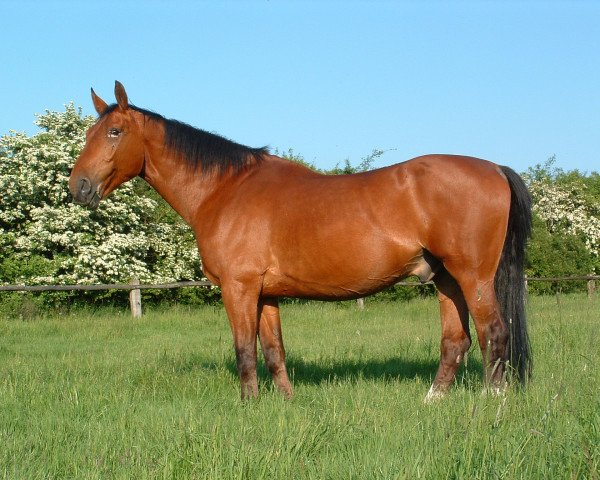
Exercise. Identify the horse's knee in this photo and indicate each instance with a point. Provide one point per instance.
(454, 349)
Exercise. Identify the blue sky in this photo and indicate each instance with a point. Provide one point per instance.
(512, 82)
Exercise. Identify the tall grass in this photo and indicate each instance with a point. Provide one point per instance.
(102, 395)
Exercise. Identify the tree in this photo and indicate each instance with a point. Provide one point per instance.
(566, 228)
(366, 163)
(568, 202)
(45, 238)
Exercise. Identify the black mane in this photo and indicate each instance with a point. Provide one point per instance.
(199, 148)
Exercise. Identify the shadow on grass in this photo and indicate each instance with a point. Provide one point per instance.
(391, 369)
(306, 372)
(317, 372)
(328, 370)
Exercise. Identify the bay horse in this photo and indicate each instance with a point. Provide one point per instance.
(268, 228)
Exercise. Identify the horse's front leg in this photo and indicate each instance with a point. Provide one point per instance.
(241, 303)
(271, 343)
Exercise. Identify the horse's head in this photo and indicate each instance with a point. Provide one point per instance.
(113, 152)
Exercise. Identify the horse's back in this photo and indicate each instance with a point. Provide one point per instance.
(437, 186)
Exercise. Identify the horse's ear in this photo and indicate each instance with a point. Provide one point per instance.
(121, 95)
(99, 104)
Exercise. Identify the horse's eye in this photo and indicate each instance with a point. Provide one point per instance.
(114, 132)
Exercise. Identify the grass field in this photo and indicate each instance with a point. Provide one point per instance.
(104, 396)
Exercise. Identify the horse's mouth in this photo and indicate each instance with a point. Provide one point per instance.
(86, 196)
(95, 200)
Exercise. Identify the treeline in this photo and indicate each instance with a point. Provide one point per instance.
(46, 239)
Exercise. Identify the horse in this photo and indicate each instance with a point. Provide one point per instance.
(267, 228)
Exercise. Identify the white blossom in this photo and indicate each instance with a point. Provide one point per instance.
(73, 244)
(565, 209)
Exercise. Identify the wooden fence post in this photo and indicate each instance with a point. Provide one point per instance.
(135, 299)
(591, 288)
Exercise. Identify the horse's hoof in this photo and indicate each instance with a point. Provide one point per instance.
(433, 395)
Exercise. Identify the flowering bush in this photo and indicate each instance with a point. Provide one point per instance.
(45, 238)
(566, 229)
(566, 203)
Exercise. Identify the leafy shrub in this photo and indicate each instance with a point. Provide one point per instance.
(46, 239)
(556, 255)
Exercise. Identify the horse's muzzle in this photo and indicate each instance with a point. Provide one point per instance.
(84, 192)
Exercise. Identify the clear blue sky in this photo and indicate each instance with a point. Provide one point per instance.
(513, 82)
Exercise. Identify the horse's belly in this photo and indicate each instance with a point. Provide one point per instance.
(353, 276)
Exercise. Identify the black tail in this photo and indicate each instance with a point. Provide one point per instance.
(510, 280)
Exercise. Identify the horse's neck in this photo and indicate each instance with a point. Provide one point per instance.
(181, 187)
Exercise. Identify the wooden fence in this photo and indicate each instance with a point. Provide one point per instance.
(135, 288)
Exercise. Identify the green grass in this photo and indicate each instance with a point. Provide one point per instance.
(104, 396)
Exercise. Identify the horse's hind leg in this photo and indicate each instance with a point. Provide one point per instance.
(271, 343)
(491, 331)
(456, 338)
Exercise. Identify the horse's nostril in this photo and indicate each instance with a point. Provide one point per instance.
(85, 186)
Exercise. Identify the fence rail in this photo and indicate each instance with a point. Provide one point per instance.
(206, 283)
(135, 287)
(109, 286)
(575, 278)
